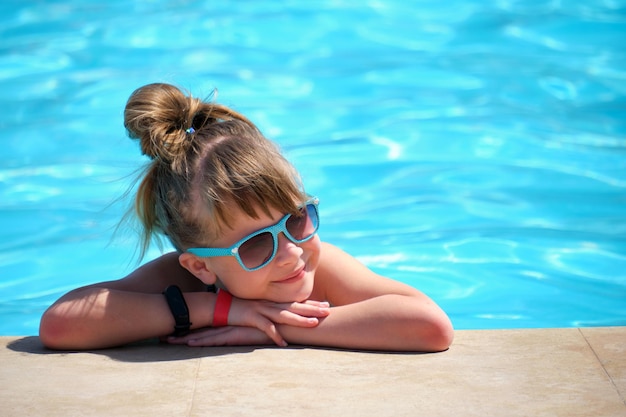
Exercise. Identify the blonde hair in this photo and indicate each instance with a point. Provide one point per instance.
(206, 159)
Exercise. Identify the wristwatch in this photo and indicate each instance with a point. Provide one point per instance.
(178, 307)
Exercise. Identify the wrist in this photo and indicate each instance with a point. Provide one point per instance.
(178, 308)
(201, 305)
(223, 302)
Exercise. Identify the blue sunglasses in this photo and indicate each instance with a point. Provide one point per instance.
(259, 248)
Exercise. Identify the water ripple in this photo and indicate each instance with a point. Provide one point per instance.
(477, 155)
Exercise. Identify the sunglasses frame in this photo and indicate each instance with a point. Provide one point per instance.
(274, 230)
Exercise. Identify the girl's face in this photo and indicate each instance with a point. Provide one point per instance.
(288, 277)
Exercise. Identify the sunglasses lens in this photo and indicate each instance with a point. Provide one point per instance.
(257, 250)
(305, 225)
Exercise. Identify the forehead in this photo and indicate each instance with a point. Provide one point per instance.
(236, 214)
(255, 206)
(241, 224)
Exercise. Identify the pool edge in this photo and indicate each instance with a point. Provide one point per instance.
(573, 371)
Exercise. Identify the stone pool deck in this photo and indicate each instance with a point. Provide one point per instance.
(538, 372)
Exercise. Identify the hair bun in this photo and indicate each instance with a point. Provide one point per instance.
(158, 115)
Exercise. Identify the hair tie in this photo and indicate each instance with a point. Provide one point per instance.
(190, 130)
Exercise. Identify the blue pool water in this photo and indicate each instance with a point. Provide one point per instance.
(475, 150)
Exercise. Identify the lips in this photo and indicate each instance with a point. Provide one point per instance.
(296, 276)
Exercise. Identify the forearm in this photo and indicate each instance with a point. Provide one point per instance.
(94, 318)
(389, 322)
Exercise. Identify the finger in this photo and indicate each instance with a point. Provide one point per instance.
(293, 319)
(232, 336)
(325, 304)
(293, 314)
(263, 319)
(214, 336)
(183, 340)
(217, 338)
(269, 328)
(173, 340)
(308, 310)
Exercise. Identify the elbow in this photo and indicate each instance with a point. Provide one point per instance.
(74, 321)
(53, 331)
(441, 335)
(426, 328)
(59, 332)
(433, 333)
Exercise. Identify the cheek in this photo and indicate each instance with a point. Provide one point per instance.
(228, 271)
(313, 248)
(240, 283)
(222, 266)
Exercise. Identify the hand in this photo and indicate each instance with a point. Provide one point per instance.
(264, 315)
(223, 336)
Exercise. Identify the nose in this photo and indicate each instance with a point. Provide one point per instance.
(287, 252)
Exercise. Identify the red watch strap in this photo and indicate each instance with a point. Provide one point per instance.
(222, 307)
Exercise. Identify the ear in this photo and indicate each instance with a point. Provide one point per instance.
(198, 267)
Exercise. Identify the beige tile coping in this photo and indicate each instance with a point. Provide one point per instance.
(538, 372)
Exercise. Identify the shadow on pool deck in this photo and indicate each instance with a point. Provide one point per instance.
(538, 372)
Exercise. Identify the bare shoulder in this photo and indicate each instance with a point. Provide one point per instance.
(156, 275)
(343, 279)
(336, 263)
(332, 253)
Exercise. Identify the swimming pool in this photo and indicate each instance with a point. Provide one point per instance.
(476, 151)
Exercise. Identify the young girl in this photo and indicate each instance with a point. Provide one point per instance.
(249, 268)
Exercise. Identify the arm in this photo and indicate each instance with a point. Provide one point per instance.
(133, 308)
(373, 325)
(369, 312)
(123, 311)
